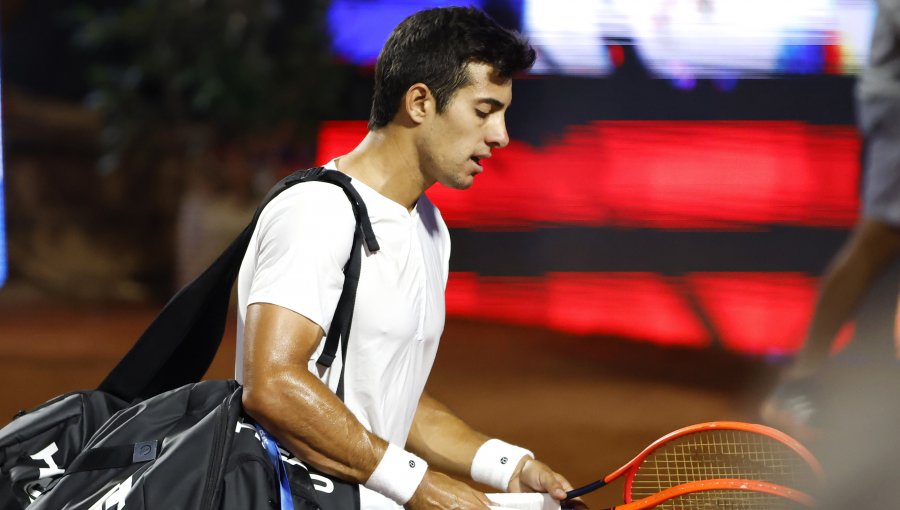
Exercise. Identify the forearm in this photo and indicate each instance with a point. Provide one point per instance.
(443, 439)
(872, 247)
(310, 421)
(453, 447)
(320, 430)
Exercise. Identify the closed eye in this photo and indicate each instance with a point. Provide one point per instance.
(481, 114)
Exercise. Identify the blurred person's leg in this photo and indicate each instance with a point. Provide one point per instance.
(871, 248)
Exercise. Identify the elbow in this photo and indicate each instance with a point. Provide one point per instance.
(273, 397)
(259, 400)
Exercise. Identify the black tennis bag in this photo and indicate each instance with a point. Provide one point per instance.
(153, 437)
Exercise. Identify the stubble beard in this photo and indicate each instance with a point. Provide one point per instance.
(458, 178)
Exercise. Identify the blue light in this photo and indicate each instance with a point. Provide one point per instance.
(359, 28)
(801, 58)
(725, 83)
(3, 265)
(685, 82)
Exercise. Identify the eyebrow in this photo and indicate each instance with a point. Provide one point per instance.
(493, 102)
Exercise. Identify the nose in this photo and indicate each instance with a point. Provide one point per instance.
(497, 137)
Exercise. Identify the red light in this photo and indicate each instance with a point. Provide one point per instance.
(642, 306)
(616, 55)
(657, 174)
(751, 313)
(757, 313)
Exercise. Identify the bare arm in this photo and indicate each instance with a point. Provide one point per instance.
(296, 407)
(449, 444)
(309, 420)
(443, 439)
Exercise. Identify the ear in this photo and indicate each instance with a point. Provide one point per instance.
(418, 102)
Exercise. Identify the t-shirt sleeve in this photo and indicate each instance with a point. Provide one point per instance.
(303, 242)
(890, 9)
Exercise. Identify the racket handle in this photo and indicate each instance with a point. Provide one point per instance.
(581, 491)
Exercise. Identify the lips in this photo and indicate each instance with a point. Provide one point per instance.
(477, 159)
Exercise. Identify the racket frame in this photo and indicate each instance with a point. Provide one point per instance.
(631, 467)
(720, 484)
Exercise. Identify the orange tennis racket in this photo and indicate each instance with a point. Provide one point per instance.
(717, 466)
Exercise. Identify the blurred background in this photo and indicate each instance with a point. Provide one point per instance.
(644, 255)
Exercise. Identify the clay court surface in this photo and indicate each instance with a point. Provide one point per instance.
(585, 405)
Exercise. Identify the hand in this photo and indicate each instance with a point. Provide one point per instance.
(439, 491)
(535, 476)
(794, 407)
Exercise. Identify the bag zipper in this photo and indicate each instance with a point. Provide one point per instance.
(213, 475)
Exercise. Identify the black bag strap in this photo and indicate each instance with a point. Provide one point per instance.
(343, 315)
(119, 456)
(179, 345)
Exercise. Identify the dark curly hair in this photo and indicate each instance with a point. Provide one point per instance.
(433, 47)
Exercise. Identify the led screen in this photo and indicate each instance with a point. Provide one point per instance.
(673, 39)
(680, 172)
(687, 39)
(359, 28)
(676, 39)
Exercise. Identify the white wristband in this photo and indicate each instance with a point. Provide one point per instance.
(398, 475)
(495, 462)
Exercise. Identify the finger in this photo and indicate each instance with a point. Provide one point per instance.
(564, 483)
(557, 492)
(551, 483)
(480, 496)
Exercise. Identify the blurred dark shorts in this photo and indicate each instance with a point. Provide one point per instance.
(879, 122)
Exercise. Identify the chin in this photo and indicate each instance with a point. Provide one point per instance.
(459, 182)
(464, 182)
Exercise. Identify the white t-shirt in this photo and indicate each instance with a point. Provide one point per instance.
(295, 260)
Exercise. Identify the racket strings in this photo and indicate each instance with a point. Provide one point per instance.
(715, 454)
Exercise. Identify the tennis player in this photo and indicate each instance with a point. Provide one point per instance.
(442, 89)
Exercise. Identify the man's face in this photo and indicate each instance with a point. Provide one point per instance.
(474, 122)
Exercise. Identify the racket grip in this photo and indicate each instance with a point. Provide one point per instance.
(581, 491)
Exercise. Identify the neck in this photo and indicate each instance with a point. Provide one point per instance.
(387, 162)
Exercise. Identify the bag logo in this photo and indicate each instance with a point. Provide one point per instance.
(115, 498)
(46, 455)
(320, 483)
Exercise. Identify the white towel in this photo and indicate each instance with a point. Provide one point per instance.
(523, 501)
